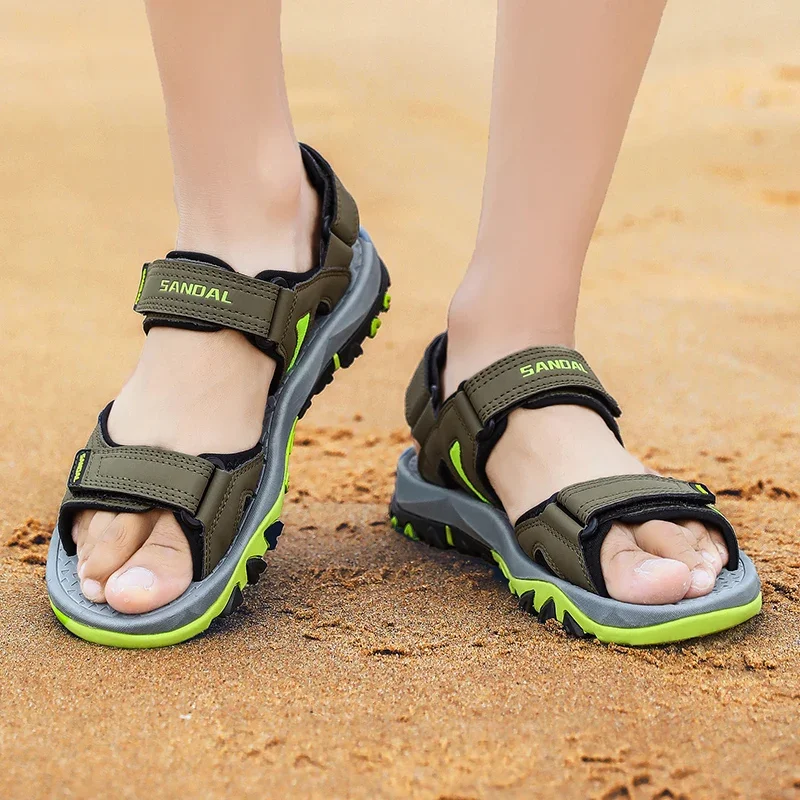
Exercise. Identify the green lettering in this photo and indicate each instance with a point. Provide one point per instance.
(196, 290)
(79, 466)
(541, 366)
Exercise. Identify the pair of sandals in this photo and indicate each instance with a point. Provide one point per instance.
(229, 505)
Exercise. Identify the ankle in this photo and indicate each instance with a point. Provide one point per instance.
(269, 221)
(486, 323)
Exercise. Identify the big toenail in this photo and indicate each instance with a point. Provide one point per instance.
(701, 579)
(92, 590)
(135, 578)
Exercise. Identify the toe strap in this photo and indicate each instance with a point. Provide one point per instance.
(567, 530)
(147, 474)
(208, 497)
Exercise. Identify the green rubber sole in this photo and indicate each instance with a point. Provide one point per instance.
(548, 601)
(259, 543)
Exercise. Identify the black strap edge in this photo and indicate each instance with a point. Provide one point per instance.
(593, 536)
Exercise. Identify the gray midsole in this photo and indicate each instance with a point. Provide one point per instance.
(491, 526)
(324, 340)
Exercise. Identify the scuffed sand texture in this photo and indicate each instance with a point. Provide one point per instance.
(364, 664)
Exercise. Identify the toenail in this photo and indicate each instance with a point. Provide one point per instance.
(92, 590)
(136, 578)
(702, 579)
(81, 570)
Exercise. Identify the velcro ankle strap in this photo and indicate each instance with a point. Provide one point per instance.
(189, 290)
(530, 375)
(276, 319)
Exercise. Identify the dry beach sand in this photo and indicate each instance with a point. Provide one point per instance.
(363, 664)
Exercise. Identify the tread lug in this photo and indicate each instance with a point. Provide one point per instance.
(526, 602)
(572, 627)
(234, 601)
(255, 567)
(547, 611)
(272, 533)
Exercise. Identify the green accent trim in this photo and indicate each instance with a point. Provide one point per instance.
(141, 285)
(410, 532)
(448, 534)
(256, 547)
(455, 457)
(302, 329)
(387, 301)
(373, 328)
(674, 631)
(337, 364)
(393, 521)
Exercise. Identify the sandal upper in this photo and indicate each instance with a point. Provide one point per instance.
(208, 494)
(565, 532)
(274, 310)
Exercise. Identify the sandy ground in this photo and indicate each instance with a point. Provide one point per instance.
(363, 664)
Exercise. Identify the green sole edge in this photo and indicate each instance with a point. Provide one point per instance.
(690, 627)
(675, 630)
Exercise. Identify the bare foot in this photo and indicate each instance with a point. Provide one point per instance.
(194, 393)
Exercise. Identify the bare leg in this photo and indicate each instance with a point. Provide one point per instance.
(566, 75)
(242, 195)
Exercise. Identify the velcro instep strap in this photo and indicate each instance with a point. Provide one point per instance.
(146, 474)
(530, 374)
(568, 530)
(604, 495)
(196, 291)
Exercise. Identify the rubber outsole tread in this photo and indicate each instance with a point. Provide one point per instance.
(446, 537)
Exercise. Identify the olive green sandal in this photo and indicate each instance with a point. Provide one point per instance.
(551, 557)
(228, 505)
